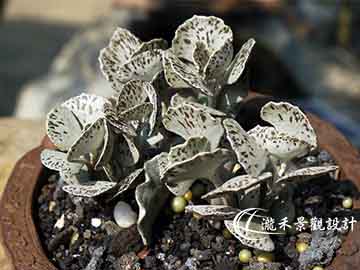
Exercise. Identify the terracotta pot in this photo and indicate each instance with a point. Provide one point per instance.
(18, 225)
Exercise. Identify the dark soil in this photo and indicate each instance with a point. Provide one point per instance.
(181, 241)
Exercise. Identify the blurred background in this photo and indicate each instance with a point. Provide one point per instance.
(307, 51)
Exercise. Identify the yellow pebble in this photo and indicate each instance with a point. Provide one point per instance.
(178, 204)
(188, 196)
(318, 267)
(265, 257)
(245, 256)
(347, 202)
(301, 246)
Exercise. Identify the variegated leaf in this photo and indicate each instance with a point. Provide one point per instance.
(107, 148)
(214, 212)
(210, 30)
(151, 192)
(87, 108)
(154, 44)
(307, 173)
(90, 189)
(62, 127)
(219, 60)
(129, 182)
(259, 241)
(237, 66)
(187, 72)
(89, 145)
(237, 185)
(249, 154)
(140, 112)
(143, 66)
(290, 120)
(187, 150)
(177, 100)
(171, 77)
(203, 165)
(187, 122)
(279, 144)
(201, 56)
(56, 160)
(132, 94)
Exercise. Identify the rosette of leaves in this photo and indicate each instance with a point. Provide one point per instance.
(128, 58)
(265, 153)
(201, 58)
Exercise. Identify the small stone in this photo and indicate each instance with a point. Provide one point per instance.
(347, 202)
(265, 257)
(87, 234)
(60, 223)
(127, 261)
(318, 267)
(111, 227)
(178, 204)
(245, 256)
(52, 205)
(188, 196)
(96, 222)
(124, 216)
(301, 246)
(74, 238)
(201, 255)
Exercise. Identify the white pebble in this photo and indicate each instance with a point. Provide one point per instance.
(96, 222)
(124, 216)
(60, 223)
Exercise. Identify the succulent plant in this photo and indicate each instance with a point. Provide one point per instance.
(110, 146)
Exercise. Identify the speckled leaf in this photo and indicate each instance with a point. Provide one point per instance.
(90, 142)
(119, 125)
(187, 73)
(179, 189)
(56, 160)
(151, 192)
(187, 122)
(201, 56)
(140, 112)
(127, 152)
(214, 212)
(237, 185)
(107, 148)
(304, 174)
(143, 66)
(62, 127)
(219, 60)
(290, 120)
(171, 77)
(249, 154)
(210, 30)
(177, 100)
(190, 148)
(132, 94)
(237, 66)
(203, 165)
(154, 44)
(129, 182)
(251, 239)
(90, 189)
(278, 144)
(87, 108)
